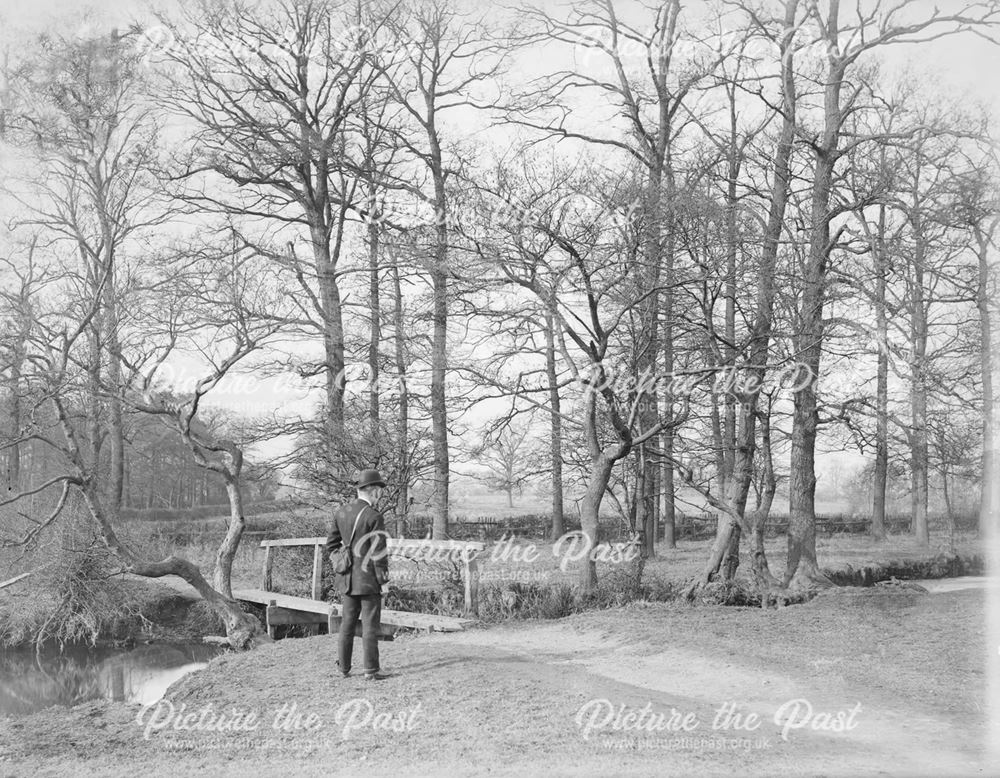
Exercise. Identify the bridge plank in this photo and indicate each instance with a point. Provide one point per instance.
(425, 621)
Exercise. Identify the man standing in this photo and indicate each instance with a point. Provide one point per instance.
(359, 526)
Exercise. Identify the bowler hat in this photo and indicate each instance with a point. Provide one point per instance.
(369, 478)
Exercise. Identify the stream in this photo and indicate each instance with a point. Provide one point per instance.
(31, 681)
(939, 585)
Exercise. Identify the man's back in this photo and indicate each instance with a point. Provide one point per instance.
(370, 564)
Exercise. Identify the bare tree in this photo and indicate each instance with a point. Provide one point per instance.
(783, 33)
(505, 455)
(225, 307)
(432, 65)
(978, 209)
(79, 106)
(61, 378)
(16, 330)
(650, 94)
(273, 126)
(574, 258)
(845, 44)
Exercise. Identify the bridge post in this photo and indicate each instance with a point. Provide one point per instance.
(271, 630)
(471, 576)
(268, 568)
(317, 576)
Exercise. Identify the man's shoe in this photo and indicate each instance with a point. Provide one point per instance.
(374, 676)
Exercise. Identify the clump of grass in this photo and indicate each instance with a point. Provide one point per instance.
(423, 600)
(504, 601)
(559, 601)
(75, 594)
(199, 619)
(516, 600)
(736, 592)
(662, 590)
(620, 585)
(76, 602)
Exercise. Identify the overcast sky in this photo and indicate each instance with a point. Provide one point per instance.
(963, 65)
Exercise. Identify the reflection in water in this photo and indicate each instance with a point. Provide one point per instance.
(30, 681)
(937, 585)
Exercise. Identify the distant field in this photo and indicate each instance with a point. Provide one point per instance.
(503, 563)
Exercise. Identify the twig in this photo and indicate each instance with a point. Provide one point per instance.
(15, 579)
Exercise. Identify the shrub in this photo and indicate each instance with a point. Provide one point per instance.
(737, 592)
(515, 600)
(78, 601)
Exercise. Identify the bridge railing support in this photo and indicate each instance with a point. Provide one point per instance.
(467, 551)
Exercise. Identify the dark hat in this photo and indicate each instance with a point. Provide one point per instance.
(369, 478)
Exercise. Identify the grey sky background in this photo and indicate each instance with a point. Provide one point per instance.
(963, 67)
(966, 62)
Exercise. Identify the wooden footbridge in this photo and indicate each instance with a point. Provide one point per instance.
(313, 610)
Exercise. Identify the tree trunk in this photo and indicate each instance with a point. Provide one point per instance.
(223, 575)
(14, 451)
(667, 483)
(555, 435)
(947, 504)
(647, 341)
(727, 425)
(597, 484)
(731, 557)
(760, 333)
(439, 346)
(403, 412)
(761, 570)
(881, 386)
(989, 506)
(116, 427)
(667, 486)
(918, 394)
(333, 348)
(802, 567)
(375, 338)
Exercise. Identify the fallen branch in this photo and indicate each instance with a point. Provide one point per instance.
(15, 579)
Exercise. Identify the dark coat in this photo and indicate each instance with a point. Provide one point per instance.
(371, 560)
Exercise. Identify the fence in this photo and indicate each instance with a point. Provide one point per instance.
(538, 527)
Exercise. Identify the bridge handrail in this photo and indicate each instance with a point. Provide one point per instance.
(400, 544)
(467, 550)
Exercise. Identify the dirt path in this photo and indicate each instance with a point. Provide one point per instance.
(898, 740)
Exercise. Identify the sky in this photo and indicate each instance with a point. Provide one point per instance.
(964, 66)
(966, 62)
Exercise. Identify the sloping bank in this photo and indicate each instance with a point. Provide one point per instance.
(942, 565)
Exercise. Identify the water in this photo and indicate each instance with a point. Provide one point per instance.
(30, 682)
(939, 585)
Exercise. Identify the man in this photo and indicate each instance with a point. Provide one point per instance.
(361, 588)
